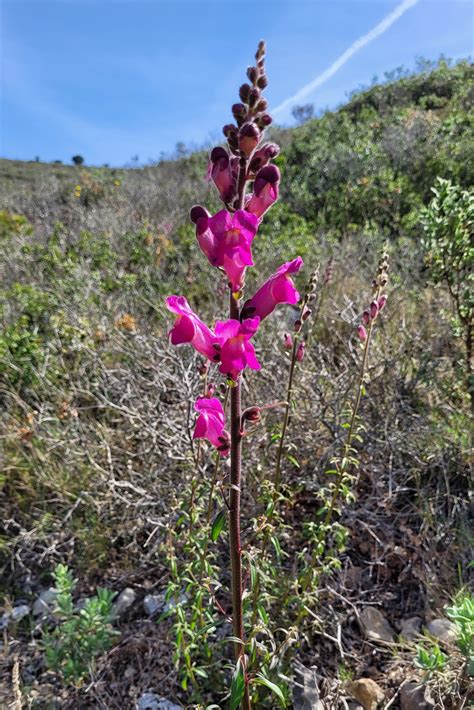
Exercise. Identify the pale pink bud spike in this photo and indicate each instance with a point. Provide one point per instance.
(382, 301)
(362, 333)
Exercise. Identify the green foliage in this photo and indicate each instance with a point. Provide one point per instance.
(462, 615)
(81, 635)
(449, 229)
(449, 247)
(430, 660)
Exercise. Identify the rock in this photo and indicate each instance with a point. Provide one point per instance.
(305, 690)
(19, 612)
(410, 628)
(124, 601)
(171, 604)
(375, 626)
(414, 696)
(153, 604)
(45, 604)
(13, 616)
(150, 701)
(442, 629)
(367, 692)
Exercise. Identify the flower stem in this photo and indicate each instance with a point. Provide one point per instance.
(351, 430)
(235, 491)
(285, 418)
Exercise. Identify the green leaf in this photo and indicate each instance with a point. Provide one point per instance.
(237, 688)
(217, 525)
(268, 683)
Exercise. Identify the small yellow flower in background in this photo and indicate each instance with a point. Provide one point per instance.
(126, 322)
(77, 191)
(117, 183)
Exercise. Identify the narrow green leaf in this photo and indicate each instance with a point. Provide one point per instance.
(217, 525)
(268, 683)
(237, 687)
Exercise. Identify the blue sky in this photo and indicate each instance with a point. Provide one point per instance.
(111, 79)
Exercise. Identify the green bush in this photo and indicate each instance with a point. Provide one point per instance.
(81, 635)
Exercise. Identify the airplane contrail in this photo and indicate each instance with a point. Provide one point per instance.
(345, 56)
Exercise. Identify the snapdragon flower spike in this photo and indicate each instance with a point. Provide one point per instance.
(189, 328)
(237, 352)
(210, 424)
(226, 240)
(265, 190)
(223, 172)
(279, 288)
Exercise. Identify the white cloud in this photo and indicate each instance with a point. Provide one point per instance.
(363, 41)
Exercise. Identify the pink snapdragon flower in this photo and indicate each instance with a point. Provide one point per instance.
(189, 328)
(226, 240)
(210, 424)
(237, 352)
(265, 190)
(279, 288)
(223, 172)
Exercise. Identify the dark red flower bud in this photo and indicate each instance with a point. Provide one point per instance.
(252, 414)
(374, 309)
(244, 92)
(262, 81)
(229, 129)
(262, 105)
(248, 138)
(239, 110)
(211, 390)
(197, 212)
(264, 120)
(288, 341)
(254, 96)
(382, 301)
(366, 317)
(260, 50)
(263, 155)
(252, 73)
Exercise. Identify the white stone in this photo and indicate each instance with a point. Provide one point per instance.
(375, 626)
(151, 701)
(124, 601)
(442, 629)
(46, 602)
(153, 604)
